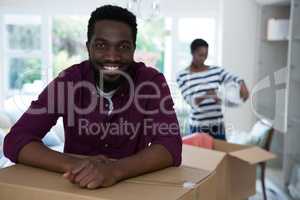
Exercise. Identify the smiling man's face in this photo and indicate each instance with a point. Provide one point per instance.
(111, 48)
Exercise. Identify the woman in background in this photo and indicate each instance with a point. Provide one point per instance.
(198, 84)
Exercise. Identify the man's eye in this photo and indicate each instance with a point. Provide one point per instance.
(125, 47)
(100, 46)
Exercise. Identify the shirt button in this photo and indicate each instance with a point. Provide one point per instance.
(106, 145)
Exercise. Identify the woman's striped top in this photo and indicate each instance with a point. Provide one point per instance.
(197, 84)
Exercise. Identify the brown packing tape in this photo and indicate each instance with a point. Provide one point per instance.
(175, 176)
(160, 183)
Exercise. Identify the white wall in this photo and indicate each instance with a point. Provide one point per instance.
(239, 39)
(168, 7)
(189, 8)
(54, 6)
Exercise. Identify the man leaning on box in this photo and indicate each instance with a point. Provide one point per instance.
(118, 114)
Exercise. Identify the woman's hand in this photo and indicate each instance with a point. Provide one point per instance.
(209, 94)
(213, 94)
(244, 91)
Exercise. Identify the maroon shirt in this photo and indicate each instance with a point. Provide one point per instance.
(147, 117)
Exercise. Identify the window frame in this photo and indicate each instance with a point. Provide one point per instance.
(44, 53)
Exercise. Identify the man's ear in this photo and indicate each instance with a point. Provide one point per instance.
(87, 44)
(134, 47)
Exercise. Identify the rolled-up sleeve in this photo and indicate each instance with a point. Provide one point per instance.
(33, 124)
(162, 123)
(226, 76)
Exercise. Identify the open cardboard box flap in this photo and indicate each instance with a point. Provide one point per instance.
(234, 165)
(253, 155)
(227, 147)
(201, 158)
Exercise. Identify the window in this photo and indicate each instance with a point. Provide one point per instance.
(190, 29)
(23, 70)
(69, 34)
(22, 50)
(150, 43)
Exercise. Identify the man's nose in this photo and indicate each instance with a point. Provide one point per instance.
(112, 54)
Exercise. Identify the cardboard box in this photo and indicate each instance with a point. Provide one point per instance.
(184, 177)
(184, 183)
(235, 173)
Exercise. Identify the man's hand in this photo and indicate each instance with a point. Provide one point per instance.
(93, 173)
(96, 171)
(244, 91)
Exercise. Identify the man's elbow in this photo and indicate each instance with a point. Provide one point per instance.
(8, 148)
(175, 152)
(177, 160)
(13, 144)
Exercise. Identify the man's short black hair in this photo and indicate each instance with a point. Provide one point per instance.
(198, 43)
(115, 13)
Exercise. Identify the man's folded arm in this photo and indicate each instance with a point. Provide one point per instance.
(23, 144)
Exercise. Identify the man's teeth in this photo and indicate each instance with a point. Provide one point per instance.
(111, 68)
